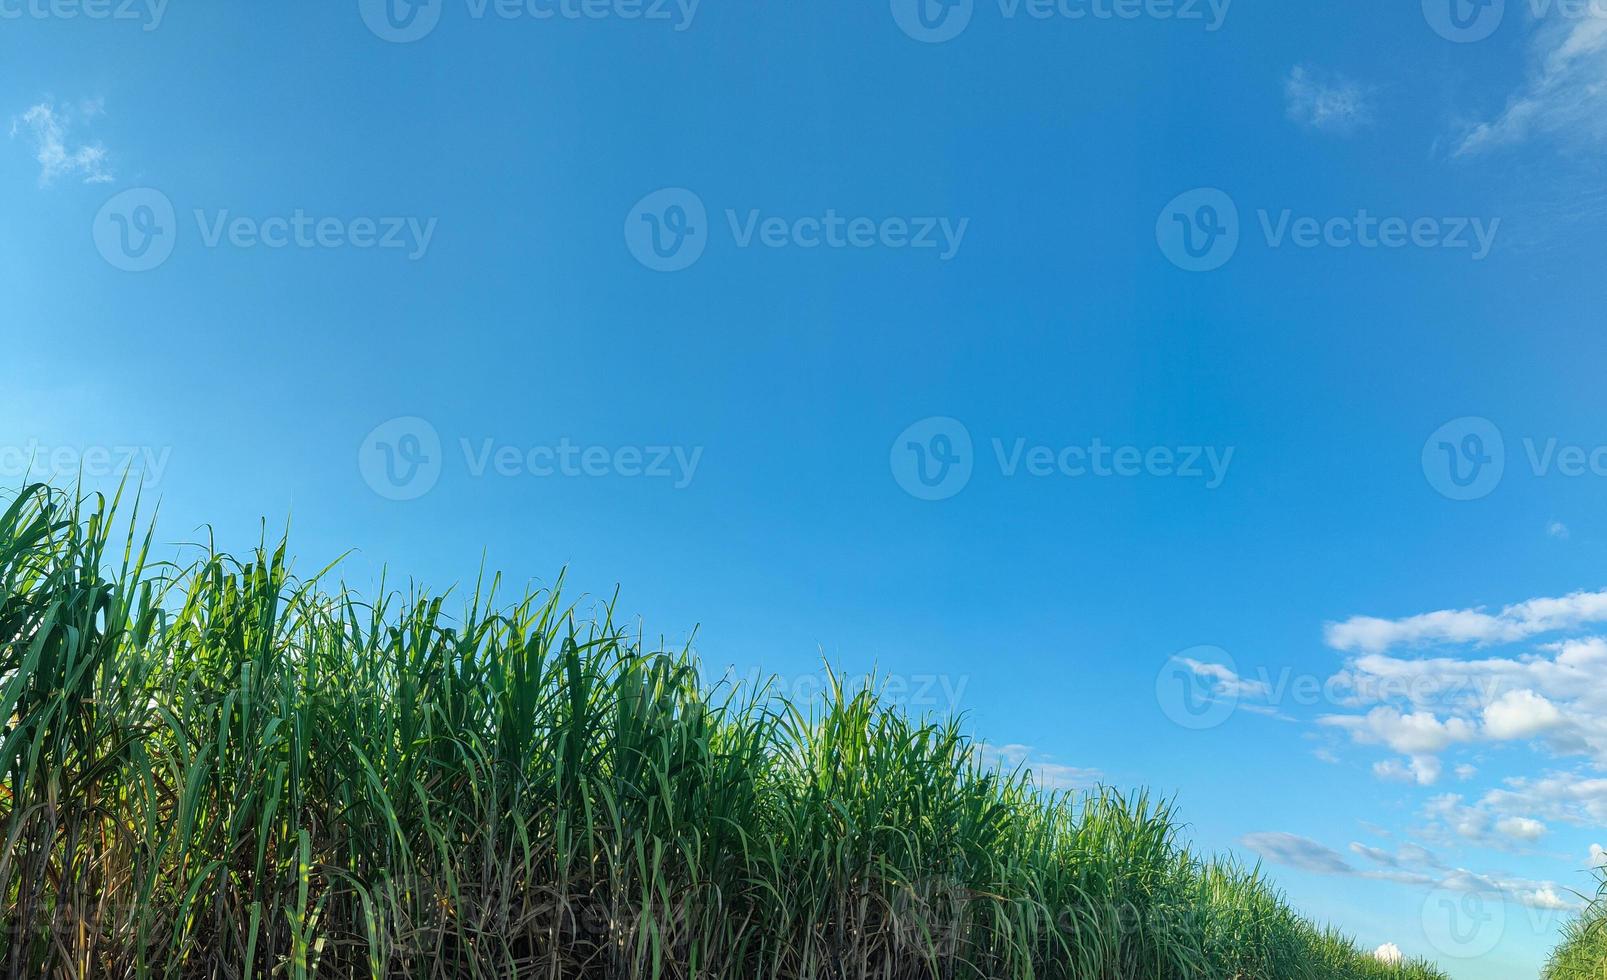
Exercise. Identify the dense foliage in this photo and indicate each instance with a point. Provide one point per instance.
(221, 770)
(1582, 954)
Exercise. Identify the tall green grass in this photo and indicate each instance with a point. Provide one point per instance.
(221, 770)
(1582, 953)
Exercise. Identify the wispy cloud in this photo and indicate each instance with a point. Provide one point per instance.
(1326, 100)
(1411, 865)
(1516, 622)
(1298, 852)
(1565, 97)
(1224, 681)
(49, 129)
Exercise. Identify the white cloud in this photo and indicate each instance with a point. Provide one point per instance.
(1471, 823)
(49, 129)
(1389, 954)
(1574, 798)
(1419, 733)
(1325, 100)
(1556, 696)
(1520, 714)
(1368, 634)
(1521, 828)
(1565, 97)
(1546, 898)
(1425, 706)
(1495, 820)
(1424, 770)
(1557, 529)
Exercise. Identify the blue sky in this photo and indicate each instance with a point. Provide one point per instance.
(1201, 397)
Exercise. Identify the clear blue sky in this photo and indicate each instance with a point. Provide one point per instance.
(1060, 232)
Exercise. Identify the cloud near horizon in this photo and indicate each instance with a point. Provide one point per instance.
(1411, 865)
(1546, 695)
